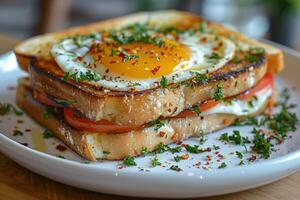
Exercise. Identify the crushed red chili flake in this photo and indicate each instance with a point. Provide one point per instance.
(252, 158)
(179, 142)
(120, 166)
(61, 148)
(155, 70)
(27, 130)
(20, 121)
(208, 149)
(208, 157)
(162, 134)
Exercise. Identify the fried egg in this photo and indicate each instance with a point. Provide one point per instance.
(140, 65)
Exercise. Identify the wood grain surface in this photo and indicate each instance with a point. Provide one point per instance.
(18, 183)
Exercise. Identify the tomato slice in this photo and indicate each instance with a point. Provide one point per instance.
(265, 83)
(101, 126)
(43, 98)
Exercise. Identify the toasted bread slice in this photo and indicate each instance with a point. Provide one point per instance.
(114, 146)
(39, 47)
(140, 108)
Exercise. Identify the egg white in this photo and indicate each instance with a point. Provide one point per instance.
(67, 52)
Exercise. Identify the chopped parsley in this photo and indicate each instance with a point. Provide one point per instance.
(163, 82)
(257, 50)
(175, 168)
(241, 162)
(144, 151)
(251, 58)
(161, 148)
(223, 165)
(174, 149)
(200, 78)
(137, 33)
(80, 76)
(239, 154)
(195, 109)
(126, 56)
(194, 149)
(235, 138)
(213, 58)
(203, 27)
(5, 108)
(261, 143)
(218, 95)
(157, 124)
(113, 52)
(129, 161)
(177, 158)
(47, 134)
(155, 162)
(49, 111)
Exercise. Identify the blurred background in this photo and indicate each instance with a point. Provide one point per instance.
(276, 20)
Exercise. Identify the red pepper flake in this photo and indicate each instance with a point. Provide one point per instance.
(179, 142)
(155, 70)
(27, 130)
(20, 121)
(197, 164)
(61, 148)
(162, 134)
(208, 157)
(203, 40)
(120, 166)
(208, 149)
(252, 158)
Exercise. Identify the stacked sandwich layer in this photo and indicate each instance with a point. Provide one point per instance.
(116, 92)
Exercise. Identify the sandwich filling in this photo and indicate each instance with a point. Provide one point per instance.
(245, 104)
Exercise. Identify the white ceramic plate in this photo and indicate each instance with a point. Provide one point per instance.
(42, 157)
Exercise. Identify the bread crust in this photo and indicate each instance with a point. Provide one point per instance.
(110, 146)
(39, 46)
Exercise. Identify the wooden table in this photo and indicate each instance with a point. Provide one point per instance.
(17, 182)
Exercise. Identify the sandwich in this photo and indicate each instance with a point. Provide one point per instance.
(124, 86)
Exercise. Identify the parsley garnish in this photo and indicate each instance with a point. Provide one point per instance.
(251, 58)
(213, 58)
(223, 165)
(157, 124)
(200, 78)
(177, 158)
(175, 168)
(7, 107)
(161, 148)
(47, 134)
(194, 149)
(195, 109)
(218, 93)
(155, 162)
(127, 56)
(49, 111)
(113, 52)
(174, 149)
(261, 144)
(235, 138)
(129, 161)
(239, 154)
(144, 151)
(257, 50)
(163, 82)
(80, 76)
(203, 27)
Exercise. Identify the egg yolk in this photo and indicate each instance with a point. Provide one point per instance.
(140, 60)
